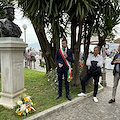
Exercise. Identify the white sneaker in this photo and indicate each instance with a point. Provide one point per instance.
(95, 99)
(81, 94)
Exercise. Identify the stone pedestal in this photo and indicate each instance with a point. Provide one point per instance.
(12, 70)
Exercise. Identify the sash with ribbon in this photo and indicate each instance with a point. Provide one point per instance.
(68, 65)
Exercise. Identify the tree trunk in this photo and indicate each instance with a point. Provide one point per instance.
(101, 41)
(73, 34)
(56, 44)
(56, 38)
(76, 79)
(87, 27)
(46, 48)
(76, 68)
(86, 52)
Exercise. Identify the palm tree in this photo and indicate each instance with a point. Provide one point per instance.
(82, 14)
(78, 12)
(39, 12)
(44, 13)
(106, 19)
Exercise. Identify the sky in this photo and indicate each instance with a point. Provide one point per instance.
(31, 37)
(20, 21)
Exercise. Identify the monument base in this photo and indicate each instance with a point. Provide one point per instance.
(8, 100)
(12, 71)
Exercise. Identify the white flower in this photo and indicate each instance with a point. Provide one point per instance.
(31, 103)
(55, 81)
(17, 110)
(48, 79)
(28, 97)
(19, 102)
(23, 107)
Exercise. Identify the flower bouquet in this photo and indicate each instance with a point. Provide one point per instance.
(24, 105)
(81, 64)
(81, 67)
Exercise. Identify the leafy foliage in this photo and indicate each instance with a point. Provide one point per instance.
(107, 16)
(42, 63)
(53, 78)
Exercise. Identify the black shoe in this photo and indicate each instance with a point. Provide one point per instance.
(58, 97)
(68, 97)
(111, 101)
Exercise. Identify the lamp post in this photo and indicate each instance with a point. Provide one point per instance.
(103, 81)
(25, 27)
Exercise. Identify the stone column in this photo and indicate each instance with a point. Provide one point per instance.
(12, 70)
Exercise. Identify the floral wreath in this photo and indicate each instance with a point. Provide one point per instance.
(24, 105)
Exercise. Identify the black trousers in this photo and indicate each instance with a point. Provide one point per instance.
(60, 74)
(85, 79)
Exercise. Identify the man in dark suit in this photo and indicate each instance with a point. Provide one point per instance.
(116, 73)
(63, 59)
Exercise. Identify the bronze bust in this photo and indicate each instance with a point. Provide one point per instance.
(7, 27)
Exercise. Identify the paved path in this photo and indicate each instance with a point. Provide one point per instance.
(37, 66)
(88, 110)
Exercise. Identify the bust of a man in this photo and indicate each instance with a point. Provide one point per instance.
(7, 27)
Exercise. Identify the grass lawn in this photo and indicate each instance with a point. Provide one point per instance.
(43, 94)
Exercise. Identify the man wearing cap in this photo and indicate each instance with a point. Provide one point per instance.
(7, 27)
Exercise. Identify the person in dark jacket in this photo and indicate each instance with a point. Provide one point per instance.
(63, 59)
(116, 73)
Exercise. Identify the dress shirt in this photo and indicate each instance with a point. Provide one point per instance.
(98, 58)
(65, 51)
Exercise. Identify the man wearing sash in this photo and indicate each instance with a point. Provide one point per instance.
(63, 59)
